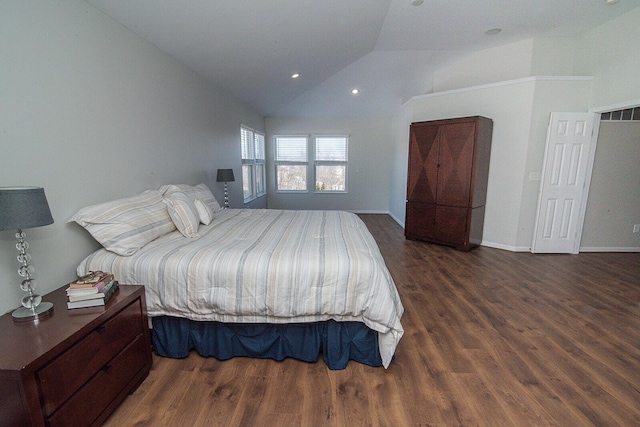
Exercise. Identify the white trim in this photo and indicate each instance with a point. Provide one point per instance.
(400, 223)
(611, 249)
(587, 184)
(484, 243)
(374, 212)
(505, 247)
(500, 84)
(615, 107)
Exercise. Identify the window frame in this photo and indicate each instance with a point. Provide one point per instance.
(253, 157)
(278, 162)
(344, 163)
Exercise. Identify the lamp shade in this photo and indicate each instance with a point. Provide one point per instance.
(23, 207)
(225, 175)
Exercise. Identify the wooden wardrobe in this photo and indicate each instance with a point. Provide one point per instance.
(447, 181)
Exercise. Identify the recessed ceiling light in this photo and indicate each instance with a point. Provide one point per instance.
(355, 91)
(295, 75)
(493, 31)
(610, 2)
(417, 2)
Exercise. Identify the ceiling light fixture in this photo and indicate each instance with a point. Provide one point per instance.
(611, 2)
(417, 2)
(355, 91)
(295, 75)
(493, 31)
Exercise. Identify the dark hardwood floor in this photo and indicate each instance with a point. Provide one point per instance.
(492, 338)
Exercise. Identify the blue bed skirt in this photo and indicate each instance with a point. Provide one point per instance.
(338, 342)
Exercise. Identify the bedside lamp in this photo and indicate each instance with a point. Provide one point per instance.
(20, 208)
(225, 175)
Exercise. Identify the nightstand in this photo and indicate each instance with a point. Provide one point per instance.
(74, 367)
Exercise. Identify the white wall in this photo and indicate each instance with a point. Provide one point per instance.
(609, 53)
(509, 106)
(520, 111)
(506, 62)
(91, 112)
(554, 56)
(370, 148)
(565, 94)
(525, 58)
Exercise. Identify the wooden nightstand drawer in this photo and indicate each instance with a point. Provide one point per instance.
(89, 402)
(66, 374)
(74, 367)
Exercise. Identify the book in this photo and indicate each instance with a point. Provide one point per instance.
(94, 279)
(92, 295)
(91, 277)
(99, 284)
(81, 291)
(95, 302)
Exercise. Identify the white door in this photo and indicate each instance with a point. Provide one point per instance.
(566, 173)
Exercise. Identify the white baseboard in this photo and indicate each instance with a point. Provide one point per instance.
(509, 247)
(608, 249)
(505, 247)
(396, 219)
(369, 212)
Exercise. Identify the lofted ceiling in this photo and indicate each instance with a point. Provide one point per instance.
(388, 49)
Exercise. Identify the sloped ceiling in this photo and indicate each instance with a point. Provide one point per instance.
(388, 49)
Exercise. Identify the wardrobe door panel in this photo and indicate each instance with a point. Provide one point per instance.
(420, 221)
(451, 225)
(423, 164)
(457, 143)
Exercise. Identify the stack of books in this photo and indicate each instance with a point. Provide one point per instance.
(91, 290)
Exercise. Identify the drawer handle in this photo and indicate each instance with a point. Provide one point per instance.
(106, 368)
(101, 328)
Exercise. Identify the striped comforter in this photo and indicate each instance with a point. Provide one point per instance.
(267, 266)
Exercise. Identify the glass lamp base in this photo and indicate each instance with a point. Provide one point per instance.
(27, 315)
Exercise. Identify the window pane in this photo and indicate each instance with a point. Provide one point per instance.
(291, 148)
(246, 140)
(331, 149)
(260, 179)
(331, 178)
(247, 180)
(292, 177)
(259, 146)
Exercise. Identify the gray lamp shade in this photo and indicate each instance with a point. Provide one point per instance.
(23, 207)
(225, 175)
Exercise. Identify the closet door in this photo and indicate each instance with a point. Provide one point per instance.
(457, 142)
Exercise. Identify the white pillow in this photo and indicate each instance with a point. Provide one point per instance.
(204, 212)
(200, 191)
(125, 225)
(204, 194)
(184, 214)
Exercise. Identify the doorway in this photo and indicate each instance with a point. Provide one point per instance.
(612, 211)
(613, 208)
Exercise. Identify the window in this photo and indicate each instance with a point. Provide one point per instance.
(253, 163)
(291, 163)
(331, 163)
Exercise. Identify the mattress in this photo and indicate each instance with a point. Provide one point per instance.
(266, 266)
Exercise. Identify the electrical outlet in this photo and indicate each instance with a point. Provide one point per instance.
(636, 228)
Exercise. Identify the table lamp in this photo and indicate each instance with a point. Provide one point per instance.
(20, 208)
(225, 175)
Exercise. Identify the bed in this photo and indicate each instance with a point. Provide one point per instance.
(251, 282)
